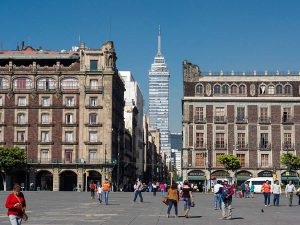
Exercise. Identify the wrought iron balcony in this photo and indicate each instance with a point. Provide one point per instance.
(287, 120)
(264, 120)
(241, 147)
(265, 147)
(94, 89)
(220, 119)
(93, 124)
(200, 146)
(93, 142)
(288, 147)
(220, 146)
(200, 119)
(241, 120)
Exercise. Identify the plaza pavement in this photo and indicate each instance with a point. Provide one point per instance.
(74, 208)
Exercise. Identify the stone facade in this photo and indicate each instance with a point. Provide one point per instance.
(66, 110)
(253, 116)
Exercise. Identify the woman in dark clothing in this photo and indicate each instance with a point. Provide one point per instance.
(187, 197)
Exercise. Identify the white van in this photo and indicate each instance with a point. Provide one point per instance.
(258, 182)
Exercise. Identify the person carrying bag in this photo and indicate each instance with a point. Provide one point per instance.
(172, 199)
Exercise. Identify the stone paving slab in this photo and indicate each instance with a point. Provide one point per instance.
(74, 208)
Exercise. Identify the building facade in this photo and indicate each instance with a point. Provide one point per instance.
(176, 152)
(159, 98)
(253, 116)
(66, 110)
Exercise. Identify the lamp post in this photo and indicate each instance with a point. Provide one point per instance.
(209, 170)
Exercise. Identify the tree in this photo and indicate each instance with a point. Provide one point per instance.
(10, 158)
(230, 162)
(291, 161)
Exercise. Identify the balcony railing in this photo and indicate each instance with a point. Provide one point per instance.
(265, 147)
(288, 147)
(200, 146)
(220, 146)
(198, 119)
(69, 142)
(242, 147)
(93, 124)
(48, 142)
(287, 120)
(220, 119)
(241, 120)
(93, 142)
(94, 89)
(264, 120)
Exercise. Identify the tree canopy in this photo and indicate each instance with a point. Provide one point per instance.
(291, 161)
(230, 162)
(11, 158)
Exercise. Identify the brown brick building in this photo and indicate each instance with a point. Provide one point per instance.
(253, 116)
(65, 109)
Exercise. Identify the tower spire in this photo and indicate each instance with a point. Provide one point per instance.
(159, 42)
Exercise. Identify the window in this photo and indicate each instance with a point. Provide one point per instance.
(46, 84)
(22, 84)
(217, 89)
(45, 136)
(68, 156)
(3, 83)
(220, 114)
(69, 118)
(271, 90)
(70, 84)
(1, 101)
(46, 101)
(93, 118)
(287, 140)
(240, 113)
(217, 157)
(45, 118)
(234, 89)
(279, 89)
(93, 136)
(287, 111)
(70, 101)
(242, 159)
(93, 84)
(241, 140)
(264, 115)
(262, 89)
(220, 140)
(93, 65)
(69, 136)
(225, 89)
(21, 101)
(93, 101)
(1, 137)
(93, 156)
(264, 160)
(199, 140)
(199, 89)
(21, 118)
(44, 155)
(242, 89)
(287, 89)
(1, 121)
(264, 140)
(199, 114)
(20, 136)
(200, 159)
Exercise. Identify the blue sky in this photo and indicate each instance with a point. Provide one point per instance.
(234, 35)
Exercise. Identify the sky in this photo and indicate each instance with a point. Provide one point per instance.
(226, 35)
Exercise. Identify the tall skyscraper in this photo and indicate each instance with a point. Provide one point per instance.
(159, 97)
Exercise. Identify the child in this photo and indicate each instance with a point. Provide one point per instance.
(99, 193)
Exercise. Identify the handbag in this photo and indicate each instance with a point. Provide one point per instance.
(192, 204)
(165, 200)
(24, 215)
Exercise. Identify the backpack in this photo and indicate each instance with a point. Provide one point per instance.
(225, 192)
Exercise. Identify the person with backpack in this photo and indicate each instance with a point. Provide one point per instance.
(173, 199)
(138, 187)
(226, 194)
(92, 189)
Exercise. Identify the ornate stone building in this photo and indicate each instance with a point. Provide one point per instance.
(65, 109)
(253, 116)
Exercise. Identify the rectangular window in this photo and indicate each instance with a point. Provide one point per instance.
(93, 118)
(287, 112)
(1, 101)
(93, 136)
(200, 159)
(264, 140)
(45, 118)
(1, 121)
(287, 140)
(93, 101)
(68, 156)
(94, 84)
(240, 113)
(45, 136)
(264, 114)
(241, 142)
(69, 118)
(220, 114)
(21, 101)
(93, 65)
(69, 136)
(44, 156)
(21, 118)
(199, 114)
(70, 101)
(199, 140)
(1, 137)
(220, 140)
(264, 160)
(20, 136)
(45, 101)
(93, 156)
(217, 156)
(242, 159)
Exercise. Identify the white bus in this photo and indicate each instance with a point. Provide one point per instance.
(259, 181)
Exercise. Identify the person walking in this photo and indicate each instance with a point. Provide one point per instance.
(138, 187)
(226, 195)
(16, 205)
(252, 190)
(243, 187)
(235, 188)
(106, 189)
(92, 189)
(154, 188)
(162, 188)
(99, 193)
(298, 194)
(247, 190)
(289, 192)
(266, 190)
(276, 193)
(173, 199)
(187, 197)
(217, 195)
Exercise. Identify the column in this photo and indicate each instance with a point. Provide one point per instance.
(55, 179)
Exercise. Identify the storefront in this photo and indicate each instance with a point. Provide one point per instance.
(265, 173)
(197, 178)
(242, 176)
(292, 175)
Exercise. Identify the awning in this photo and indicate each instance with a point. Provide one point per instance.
(243, 177)
(196, 178)
(290, 178)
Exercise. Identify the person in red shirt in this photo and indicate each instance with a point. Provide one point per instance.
(92, 188)
(266, 190)
(16, 205)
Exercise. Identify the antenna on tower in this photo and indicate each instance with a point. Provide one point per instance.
(159, 42)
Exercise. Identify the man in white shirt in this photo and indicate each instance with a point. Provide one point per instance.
(276, 192)
(289, 191)
(217, 195)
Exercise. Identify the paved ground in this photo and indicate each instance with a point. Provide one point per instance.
(73, 208)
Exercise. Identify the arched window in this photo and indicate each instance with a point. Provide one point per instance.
(242, 89)
(234, 89)
(199, 89)
(93, 118)
(22, 84)
(271, 90)
(225, 89)
(46, 84)
(279, 89)
(288, 89)
(3, 83)
(69, 84)
(217, 89)
(262, 89)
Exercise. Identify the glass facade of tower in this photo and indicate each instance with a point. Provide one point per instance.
(159, 99)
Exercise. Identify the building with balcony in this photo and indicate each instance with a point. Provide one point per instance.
(66, 110)
(255, 116)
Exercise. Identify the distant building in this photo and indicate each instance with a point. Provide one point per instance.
(176, 152)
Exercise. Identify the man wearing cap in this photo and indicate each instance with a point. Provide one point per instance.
(226, 195)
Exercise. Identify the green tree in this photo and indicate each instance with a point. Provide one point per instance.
(291, 161)
(230, 162)
(10, 158)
